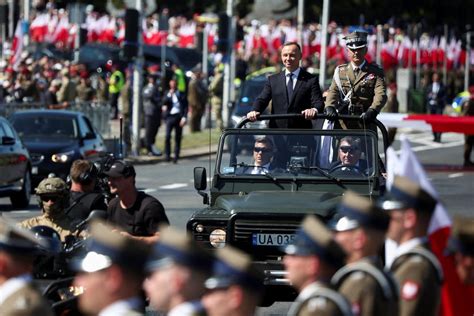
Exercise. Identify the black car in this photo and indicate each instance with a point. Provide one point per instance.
(15, 166)
(55, 138)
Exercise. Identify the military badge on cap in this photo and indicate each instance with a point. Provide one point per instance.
(356, 39)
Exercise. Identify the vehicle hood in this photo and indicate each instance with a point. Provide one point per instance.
(46, 145)
(299, 202)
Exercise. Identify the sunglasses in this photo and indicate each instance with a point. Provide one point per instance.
(46, 198)
(261, 149)
(348, 149)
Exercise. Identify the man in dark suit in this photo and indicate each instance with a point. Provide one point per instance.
(293, 90)
(349, 156)
(175, 109)
(436, 100)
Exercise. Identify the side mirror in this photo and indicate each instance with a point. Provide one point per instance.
(200, 178)
(6, 140)
(200, 183)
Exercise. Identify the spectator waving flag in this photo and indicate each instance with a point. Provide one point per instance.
(17, 46)
(454, 295)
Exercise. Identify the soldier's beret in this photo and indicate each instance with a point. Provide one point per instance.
(356, 39)
(17, 240)
(234, 267)
(313, 238)
(405, 193)
(175, 247)
(358, 211)
(107, 247)
(462, 238)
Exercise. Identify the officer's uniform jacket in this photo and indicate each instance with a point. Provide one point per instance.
(369, 290)
(319, 299)
(188, 309)
(419, 276)
(62, 224)
(19, 297)
(368, 89)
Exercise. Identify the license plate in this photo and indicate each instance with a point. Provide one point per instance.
(34, 170)
(272, 239)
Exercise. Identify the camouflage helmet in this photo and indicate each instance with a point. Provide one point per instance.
(52, 185)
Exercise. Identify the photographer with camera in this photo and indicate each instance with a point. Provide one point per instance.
(83, 196)
(136, 213)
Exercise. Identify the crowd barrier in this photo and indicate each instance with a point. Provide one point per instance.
(97, 112)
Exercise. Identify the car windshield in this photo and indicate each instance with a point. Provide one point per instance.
(42, 126)
(340, 154)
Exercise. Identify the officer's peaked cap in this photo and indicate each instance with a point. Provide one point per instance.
(16, 240)
(356, 39)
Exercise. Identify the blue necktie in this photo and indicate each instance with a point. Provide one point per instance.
(325, 152)
(289, 86)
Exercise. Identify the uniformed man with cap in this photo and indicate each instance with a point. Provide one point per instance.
(236, 287)
(310, 262)
(415, 267)
(358, 87)
(461, 244)
(111, 273)
(178, 268)
(361, 233)
(18, 296)
(53, 199)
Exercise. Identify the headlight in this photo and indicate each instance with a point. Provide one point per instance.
(62, 157)
(199, 228)
(217, 238)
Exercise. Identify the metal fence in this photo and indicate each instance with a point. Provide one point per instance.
(98, 113)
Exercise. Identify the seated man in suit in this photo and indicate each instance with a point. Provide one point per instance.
(262, 157)
(349, 156)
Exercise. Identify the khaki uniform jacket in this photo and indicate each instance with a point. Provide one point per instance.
(61, 224)
(369, 88)
(364, 292)
(27, 301)
(419, 282)
(318, 299)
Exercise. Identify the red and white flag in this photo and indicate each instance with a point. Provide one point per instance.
(456, 298)
(17, 46)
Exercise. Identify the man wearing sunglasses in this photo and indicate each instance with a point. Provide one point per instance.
(358, 87)
(349, 155)
(53, 198)
(262, 156)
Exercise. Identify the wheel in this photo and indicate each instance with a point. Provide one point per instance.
(22, 199)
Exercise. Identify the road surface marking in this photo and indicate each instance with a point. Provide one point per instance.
(455, 175)
(173, 186)
(149, 190)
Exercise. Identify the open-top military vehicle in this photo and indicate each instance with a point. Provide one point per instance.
(256, 203)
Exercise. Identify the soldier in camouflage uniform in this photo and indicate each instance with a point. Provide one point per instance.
(358, 87)
(53, 199)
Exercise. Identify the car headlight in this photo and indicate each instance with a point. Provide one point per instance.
(217, 238)
(62, 157)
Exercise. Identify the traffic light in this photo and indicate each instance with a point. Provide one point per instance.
(223, 32)
(130, 45)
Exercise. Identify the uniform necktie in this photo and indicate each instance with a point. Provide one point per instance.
(356, 71)
(289, 86)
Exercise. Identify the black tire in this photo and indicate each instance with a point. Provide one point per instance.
(22, 199)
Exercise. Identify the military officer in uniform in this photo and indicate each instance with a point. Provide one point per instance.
(361, 233)
(415, 267)
(53, 199)
(358, 87)
(111, 273)
(178, 268)
(235, 287)
(310, 262)
(18, 295)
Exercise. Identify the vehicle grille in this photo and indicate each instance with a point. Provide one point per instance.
(36, 158)
(244, 228)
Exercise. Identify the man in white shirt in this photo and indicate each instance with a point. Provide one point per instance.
(18, 295)
(111, 273)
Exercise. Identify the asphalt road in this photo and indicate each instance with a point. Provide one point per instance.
(173, 185)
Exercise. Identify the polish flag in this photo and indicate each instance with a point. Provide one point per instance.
(108, 32)
(17, 46)
(456, 298)
(39, 28)
(61, 33)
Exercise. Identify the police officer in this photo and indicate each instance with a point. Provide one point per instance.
(361, 233)
(178, 268)
(236, 287)
(53, 198)
(358, 87)
(111, 272)
(310, 262)
(18, 295)
(415, 267)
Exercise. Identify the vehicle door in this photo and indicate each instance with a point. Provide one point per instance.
(12, 159)
(92, 143)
